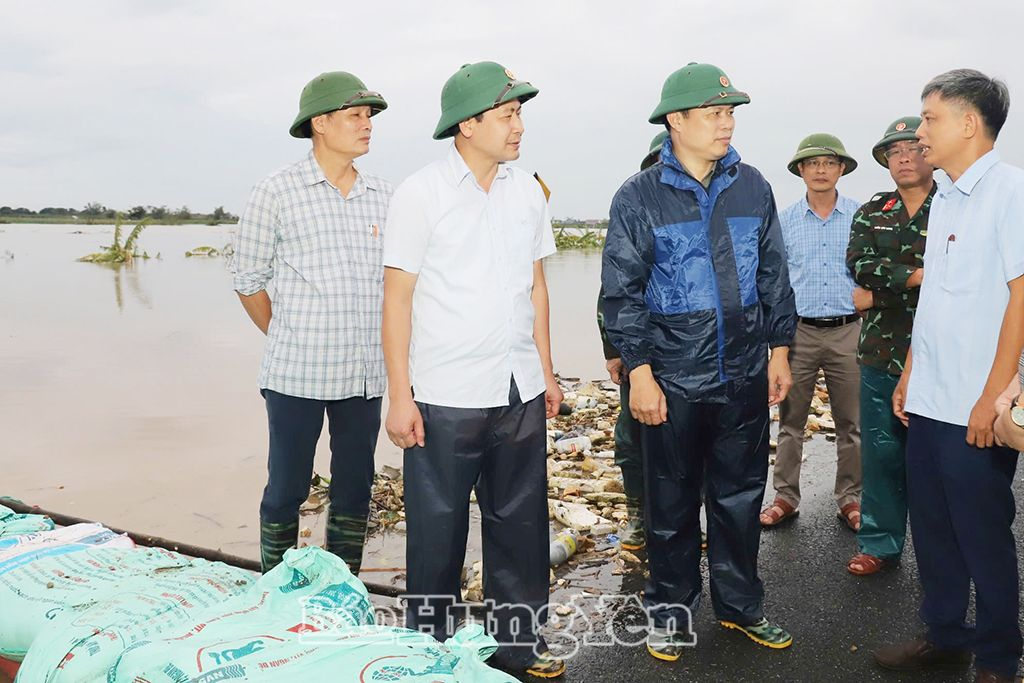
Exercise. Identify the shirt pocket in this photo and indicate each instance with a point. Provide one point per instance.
(961, 267)
(521, 248)
(682, 280)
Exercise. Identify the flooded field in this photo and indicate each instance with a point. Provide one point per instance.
(128, 395)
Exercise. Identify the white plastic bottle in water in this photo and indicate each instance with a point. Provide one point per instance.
(563, 547)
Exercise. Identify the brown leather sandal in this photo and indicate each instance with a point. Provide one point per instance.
(778, 512)
(847, 514)
(863, 564)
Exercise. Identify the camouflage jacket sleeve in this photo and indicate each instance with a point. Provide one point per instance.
(610, 351)
(870, 269)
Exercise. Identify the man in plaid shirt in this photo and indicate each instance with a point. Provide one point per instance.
(316, 229)
(816, 230)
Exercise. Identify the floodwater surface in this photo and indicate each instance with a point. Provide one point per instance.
(128, 394)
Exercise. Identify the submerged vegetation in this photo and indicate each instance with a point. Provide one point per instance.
(118, 252)
(579, 235)
(226, 251)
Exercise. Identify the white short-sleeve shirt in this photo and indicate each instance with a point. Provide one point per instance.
(975, 246)
(473, 252)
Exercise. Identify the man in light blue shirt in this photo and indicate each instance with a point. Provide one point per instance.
(966, 343)
(816, 230)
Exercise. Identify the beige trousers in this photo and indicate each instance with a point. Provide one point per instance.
(834, 350)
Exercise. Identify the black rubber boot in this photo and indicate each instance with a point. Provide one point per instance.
(275, 539)
(346, 535)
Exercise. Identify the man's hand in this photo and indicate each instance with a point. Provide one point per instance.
(552, 396)
(615, 367)
(899, 399)
(863, 299)
(916, 278)
(981, 423)
(780, 380)
(646, 399)
(404, 423)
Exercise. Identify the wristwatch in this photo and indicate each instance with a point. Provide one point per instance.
(1017, 412)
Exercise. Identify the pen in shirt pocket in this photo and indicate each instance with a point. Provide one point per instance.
(951, 238)
(374, 230)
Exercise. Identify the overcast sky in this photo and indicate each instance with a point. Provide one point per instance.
(189, 103)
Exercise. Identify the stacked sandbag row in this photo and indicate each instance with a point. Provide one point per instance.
(82, 604)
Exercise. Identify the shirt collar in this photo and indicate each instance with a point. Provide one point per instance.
(838, 207)
(312, 174)
(460, 171)
(676, 170)
(976, 172)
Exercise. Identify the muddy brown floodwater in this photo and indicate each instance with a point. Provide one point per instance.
(128, 395)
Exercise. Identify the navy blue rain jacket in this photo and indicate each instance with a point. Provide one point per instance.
(695, 281)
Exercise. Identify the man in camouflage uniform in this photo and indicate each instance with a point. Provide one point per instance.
(628, 456)
(886, 255)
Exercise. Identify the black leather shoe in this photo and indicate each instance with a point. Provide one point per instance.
(920, 654)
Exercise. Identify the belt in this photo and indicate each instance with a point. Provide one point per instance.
(830, 322)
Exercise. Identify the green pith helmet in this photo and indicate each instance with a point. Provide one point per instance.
(656, 145)
(474, 89)
(821, 145)
(333, 90)
(696, 85)
(900, 129)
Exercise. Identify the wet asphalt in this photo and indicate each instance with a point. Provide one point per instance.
(836, 619)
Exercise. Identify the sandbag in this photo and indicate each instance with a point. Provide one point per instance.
(16, 551)
(307, 619)
(15, 524)
(35, 593)
(80, 645)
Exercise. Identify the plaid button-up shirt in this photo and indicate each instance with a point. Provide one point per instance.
(323, 252)
(816, 251)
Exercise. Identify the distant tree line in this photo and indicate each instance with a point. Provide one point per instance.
(95, 210)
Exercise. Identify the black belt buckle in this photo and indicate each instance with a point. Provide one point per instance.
(837, 321)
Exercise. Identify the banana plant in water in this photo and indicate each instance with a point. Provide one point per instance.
(118, 252)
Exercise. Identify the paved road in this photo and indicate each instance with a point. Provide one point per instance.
(836, 618)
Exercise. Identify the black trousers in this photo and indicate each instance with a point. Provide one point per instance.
(295, 426)
(961, 512)
(501, 452)
(722, 450)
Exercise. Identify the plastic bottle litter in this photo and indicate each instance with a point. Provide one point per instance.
(574, 444)
(563, 547)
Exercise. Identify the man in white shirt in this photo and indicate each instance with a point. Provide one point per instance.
(467, 350)
(967, 339)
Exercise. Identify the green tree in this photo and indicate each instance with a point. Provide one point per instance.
(137, 213)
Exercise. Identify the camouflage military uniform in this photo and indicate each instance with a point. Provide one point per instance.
(628, 455)
(886, 247)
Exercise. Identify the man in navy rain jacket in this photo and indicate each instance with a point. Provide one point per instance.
(696, 291)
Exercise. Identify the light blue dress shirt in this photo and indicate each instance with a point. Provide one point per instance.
(816, 251)
(975, 246)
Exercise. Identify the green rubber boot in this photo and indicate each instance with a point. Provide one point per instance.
(275, 539)
(632, 536)
(346, 535)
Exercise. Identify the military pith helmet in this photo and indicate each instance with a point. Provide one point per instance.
(696, 85)
(821, 145)
(900, 129)
(474, 89)
(330, 91)
(656, 144)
